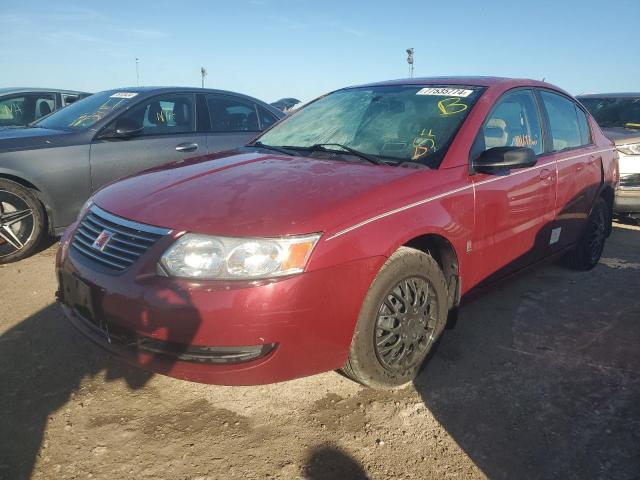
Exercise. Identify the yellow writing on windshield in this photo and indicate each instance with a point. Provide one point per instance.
(423, 143)
(451, 106)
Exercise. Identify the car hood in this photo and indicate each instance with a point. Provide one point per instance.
(252, 194)
(31, 137)
(622, 136)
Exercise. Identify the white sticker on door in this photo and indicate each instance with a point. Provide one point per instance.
(555, 235)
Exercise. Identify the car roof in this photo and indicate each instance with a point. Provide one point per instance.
(610, 95)
(478, 81)
(152, 90)
(12, 90)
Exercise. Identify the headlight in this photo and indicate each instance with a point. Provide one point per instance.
(207, 257)
(629, 149)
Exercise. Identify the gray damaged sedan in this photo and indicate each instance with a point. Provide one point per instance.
(48, 170)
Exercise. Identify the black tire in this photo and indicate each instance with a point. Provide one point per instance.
(22, 221)
(586, 254)
(369, 363)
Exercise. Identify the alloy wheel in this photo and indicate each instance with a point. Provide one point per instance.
(406, 324)
(16, 223)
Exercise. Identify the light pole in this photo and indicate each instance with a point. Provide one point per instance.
(203, 73)
(137, 72)
(410, 61)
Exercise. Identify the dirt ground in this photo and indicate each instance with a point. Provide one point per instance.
(540, 378)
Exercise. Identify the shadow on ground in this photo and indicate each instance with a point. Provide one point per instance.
(43, 362)
(541, 378)
(330, 463)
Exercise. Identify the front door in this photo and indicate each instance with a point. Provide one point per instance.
(169, 134)
(514, 209)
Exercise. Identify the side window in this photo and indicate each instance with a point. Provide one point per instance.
(513, 122)
(563, 121)
(266, 118)
(583, 124)
(165, 115)
(68, 99)
(232, 115)
(45, 104)
(13, 111)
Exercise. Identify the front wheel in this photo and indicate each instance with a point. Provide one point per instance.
(586, 254)
(21, 221)
(403, 314)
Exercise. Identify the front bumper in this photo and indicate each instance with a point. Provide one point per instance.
(299, 325)
(628, 194)
(627, 201)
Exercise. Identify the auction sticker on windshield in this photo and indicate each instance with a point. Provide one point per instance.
(124, 95)
(445, 92)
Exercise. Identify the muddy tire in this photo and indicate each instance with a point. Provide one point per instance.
(402, 316)
(588, 251)
(22, 221)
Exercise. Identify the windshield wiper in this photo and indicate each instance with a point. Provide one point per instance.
(321, 147)
(274, 148)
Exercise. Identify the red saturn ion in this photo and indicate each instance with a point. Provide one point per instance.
(342, 237)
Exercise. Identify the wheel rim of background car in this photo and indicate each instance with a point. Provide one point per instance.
(597, 236)
(406, 324)
(16, 223)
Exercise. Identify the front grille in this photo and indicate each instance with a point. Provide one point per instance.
(630, 181)
(127, 242)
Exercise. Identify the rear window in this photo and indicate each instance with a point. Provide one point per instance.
(610, 112)
(563, 120)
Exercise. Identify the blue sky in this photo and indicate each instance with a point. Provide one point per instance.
(303, 48)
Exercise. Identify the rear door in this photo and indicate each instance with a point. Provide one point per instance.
(515, 208)
(169, 134)
(234, 121)
(579, 166)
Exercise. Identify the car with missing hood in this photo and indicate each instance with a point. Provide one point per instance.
(48, 170)
(618, 114)
(342, 237)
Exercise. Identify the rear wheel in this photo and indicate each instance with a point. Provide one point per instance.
(588, 251)
(402, 316)
(21, 221)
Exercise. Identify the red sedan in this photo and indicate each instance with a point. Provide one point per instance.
(342, 237)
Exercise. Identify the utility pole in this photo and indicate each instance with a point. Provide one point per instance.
(410, 61)
(137, 72)
(203, 73)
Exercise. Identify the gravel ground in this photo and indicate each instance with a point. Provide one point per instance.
(540, 378)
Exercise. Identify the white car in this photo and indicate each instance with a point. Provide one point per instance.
(619, 117)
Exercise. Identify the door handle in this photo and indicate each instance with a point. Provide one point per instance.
(187, 147)
(546, 174)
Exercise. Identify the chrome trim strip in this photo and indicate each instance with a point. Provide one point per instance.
(457, 190)
(129, 223)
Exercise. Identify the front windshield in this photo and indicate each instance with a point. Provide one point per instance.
(611, 112)
(86, 112)
(393, 123)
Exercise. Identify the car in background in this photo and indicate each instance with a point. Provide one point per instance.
(343, 236)
(21, 106)
(48, 170)
(618, 114)
(285, 104)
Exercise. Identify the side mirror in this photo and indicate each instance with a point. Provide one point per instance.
(501, 158)
(123, 128)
